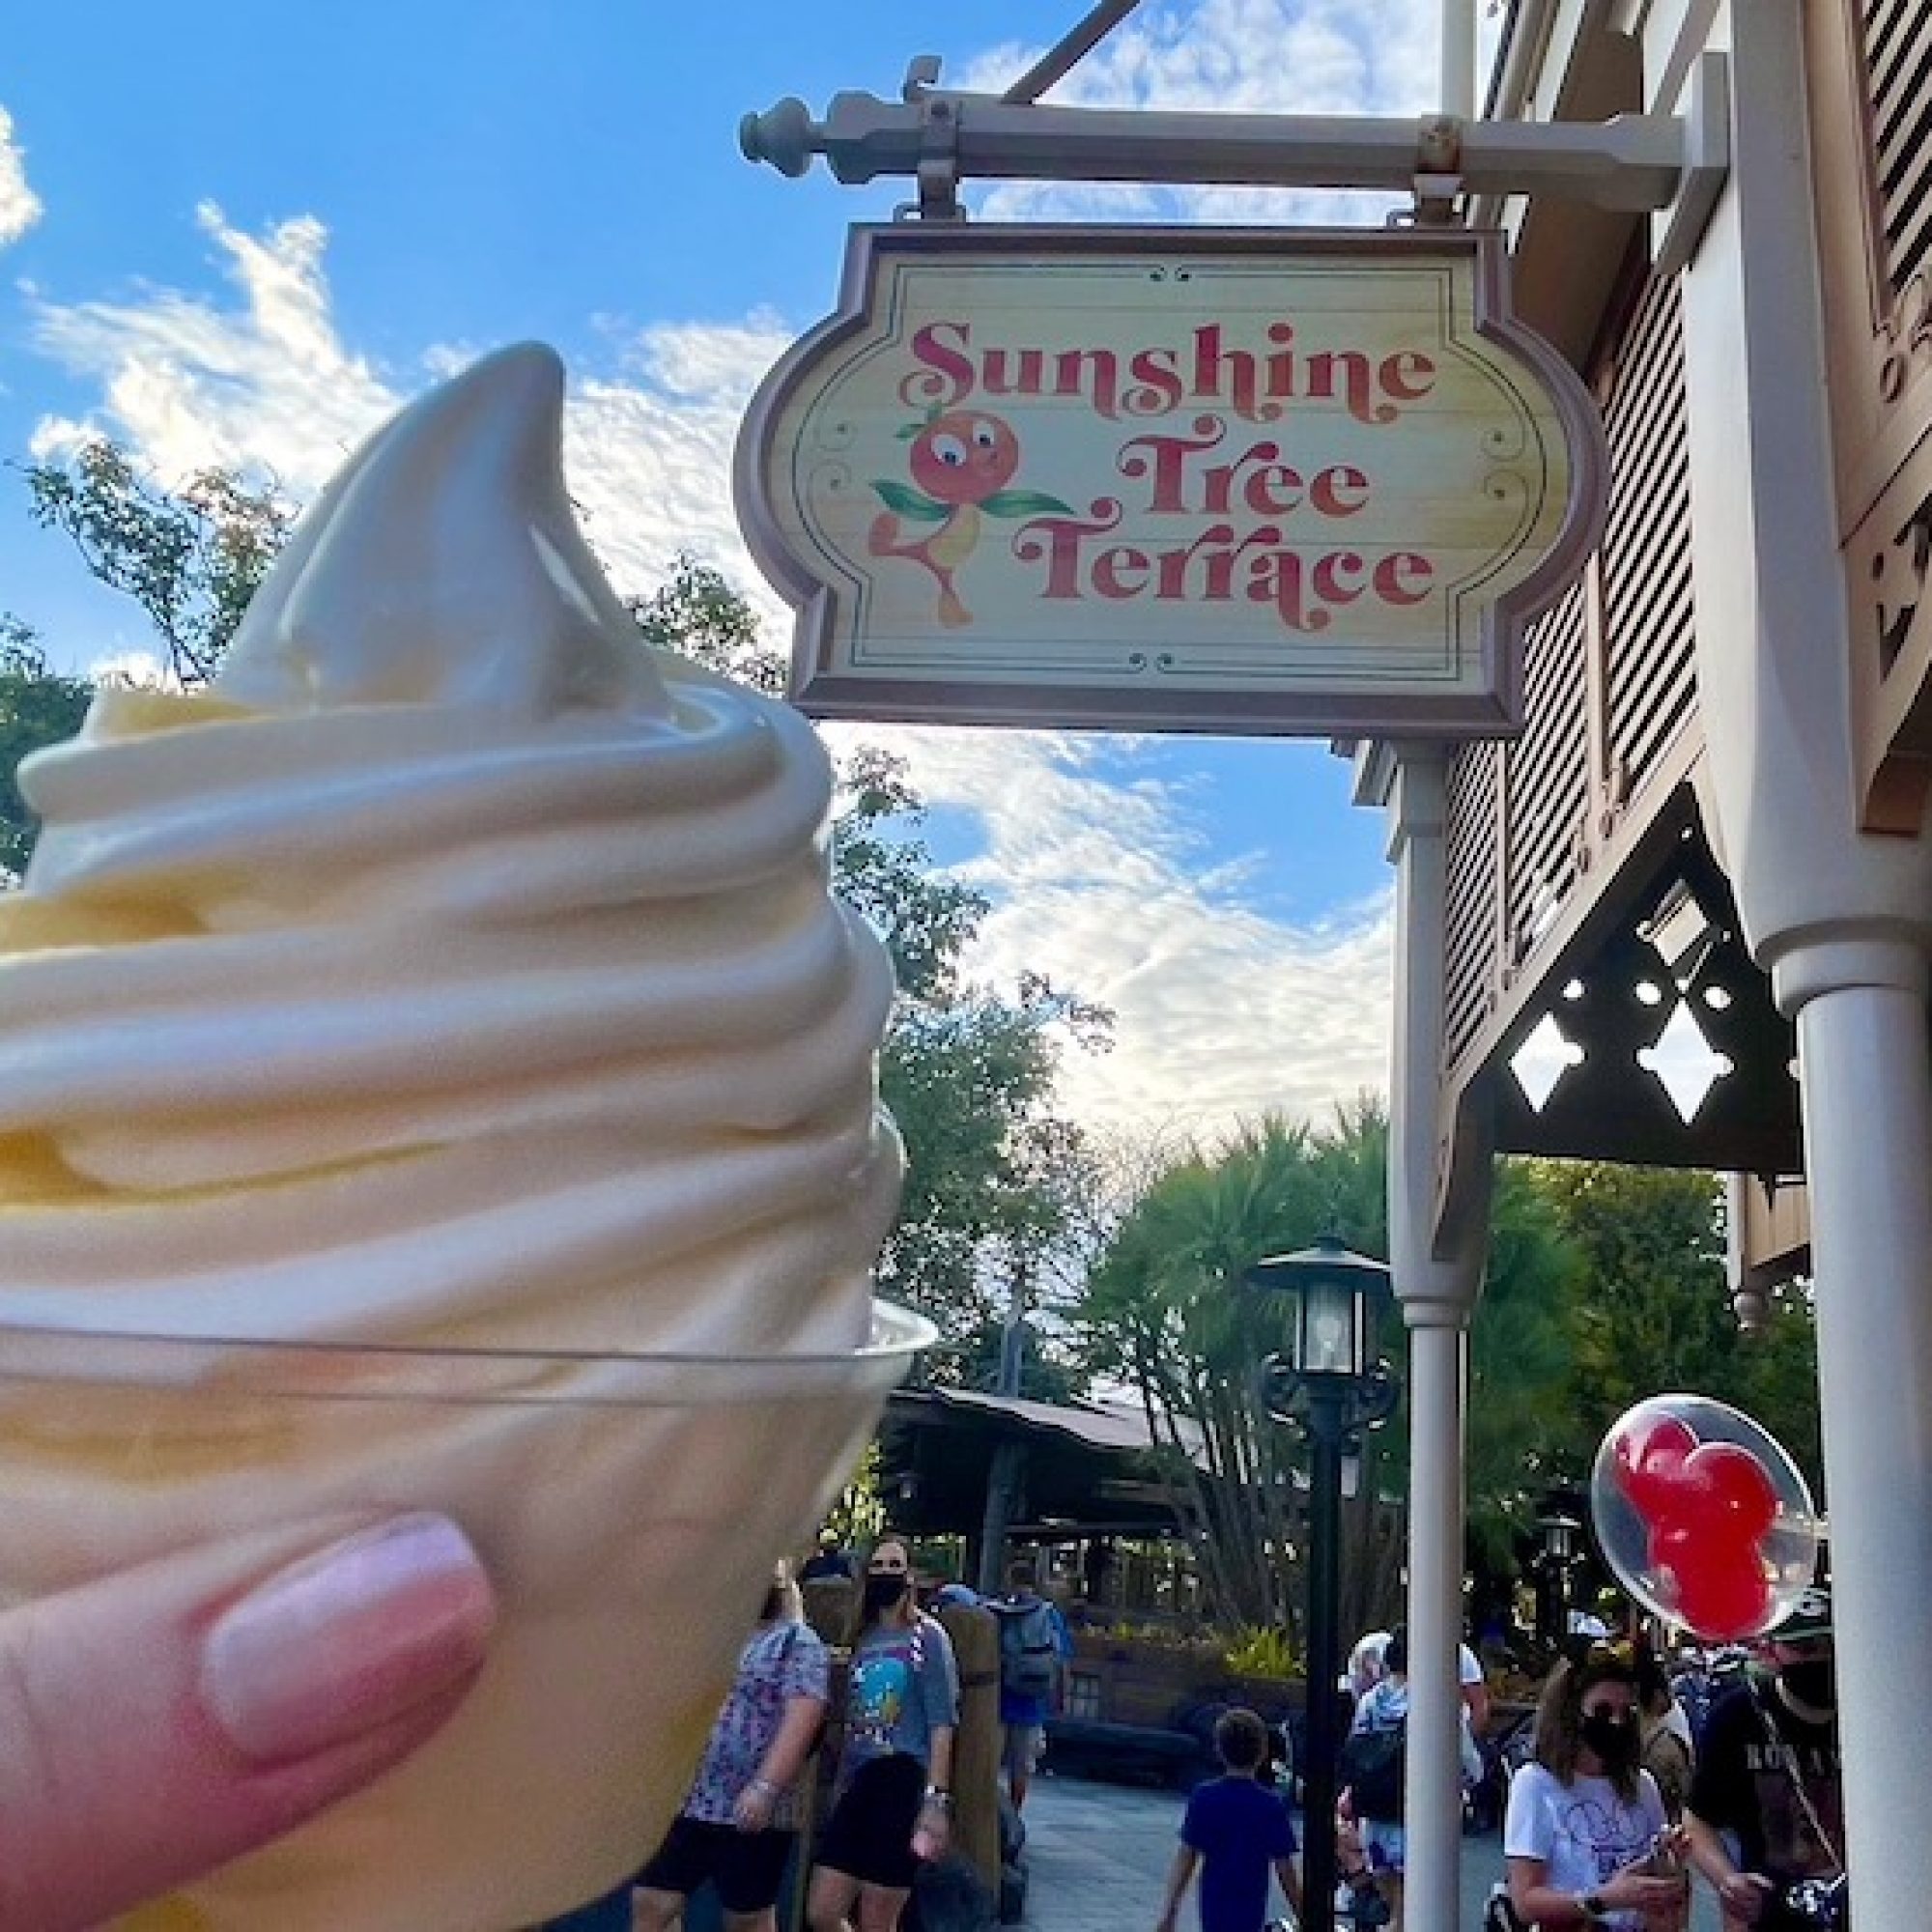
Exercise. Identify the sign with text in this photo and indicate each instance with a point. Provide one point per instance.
(1183, 479)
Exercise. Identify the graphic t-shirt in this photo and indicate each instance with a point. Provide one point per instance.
(1742, 1785)
(779, 1662)
(903, 1687)
(1240, 1828)
(1584, 1832)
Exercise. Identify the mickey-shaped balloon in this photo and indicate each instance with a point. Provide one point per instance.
(1705, 1519)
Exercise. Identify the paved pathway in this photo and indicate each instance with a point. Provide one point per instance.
(1098, 1856)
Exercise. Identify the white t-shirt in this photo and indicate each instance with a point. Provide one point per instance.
(1583, 1832)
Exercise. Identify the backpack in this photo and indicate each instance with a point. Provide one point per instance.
(1373, 1766)
(1029, 1656)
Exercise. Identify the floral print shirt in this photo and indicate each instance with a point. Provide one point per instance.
(779, 1662)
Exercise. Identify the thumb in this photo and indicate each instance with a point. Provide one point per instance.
(161, 1722)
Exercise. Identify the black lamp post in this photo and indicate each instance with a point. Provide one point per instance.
(1332, 1386)
(1562, 1549)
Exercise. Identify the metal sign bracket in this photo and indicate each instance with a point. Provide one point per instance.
(1640, 164)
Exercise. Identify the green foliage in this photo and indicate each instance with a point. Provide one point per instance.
(995, 1179)
(1651, 1311)
(697, 613)
(860, 1512)
(1257, 1652)
(1521, 1366)
(191, 557)
(38, 707)
(1168, 1311)
(884, 871)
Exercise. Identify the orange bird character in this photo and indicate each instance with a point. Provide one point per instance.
(961, 463)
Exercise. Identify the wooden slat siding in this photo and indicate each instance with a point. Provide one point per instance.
(1898, 58)
(1529, 817)
(1549, 778)
(1648, 642)
(1869, 100)
(1473, 940)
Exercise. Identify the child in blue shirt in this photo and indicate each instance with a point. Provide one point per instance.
(1236, 1830)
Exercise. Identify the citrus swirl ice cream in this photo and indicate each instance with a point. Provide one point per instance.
(438, 1042)
(459, 970)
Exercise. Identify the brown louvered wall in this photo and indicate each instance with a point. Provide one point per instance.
(1648, 629)
(1474, 940)
(1548, 785)
(1871, 104)
(1611, 688)
(1899, 59)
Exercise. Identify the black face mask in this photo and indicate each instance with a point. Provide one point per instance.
(883, 1592)
(1810, 1682)
(1614, 1740)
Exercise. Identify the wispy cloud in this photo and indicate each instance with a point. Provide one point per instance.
(1227, 56)
(1115, 890)
(261, 381)
(193, 384)
(20, 205)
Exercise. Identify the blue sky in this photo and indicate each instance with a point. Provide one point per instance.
(253, 231)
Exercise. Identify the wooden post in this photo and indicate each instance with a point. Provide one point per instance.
(828, 1606)
(976, 1750)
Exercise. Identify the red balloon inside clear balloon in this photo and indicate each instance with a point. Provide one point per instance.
(1705, 1519)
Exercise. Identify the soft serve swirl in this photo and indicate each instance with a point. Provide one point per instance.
(458, 969)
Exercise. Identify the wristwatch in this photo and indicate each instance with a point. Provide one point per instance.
(1593, 1906)
(933, 1794)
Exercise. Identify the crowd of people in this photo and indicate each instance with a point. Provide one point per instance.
(892, 1797)
(1621, 1801)
(1634, 1782)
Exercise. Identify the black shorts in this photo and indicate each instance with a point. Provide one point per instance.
(869, 1835)
(747, 1867)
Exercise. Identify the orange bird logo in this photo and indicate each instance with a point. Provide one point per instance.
(961, 463)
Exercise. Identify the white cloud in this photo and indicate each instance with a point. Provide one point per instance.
(266, 383)
(20, 205)
(1109, 888)
(191, 386)
(1231, 56)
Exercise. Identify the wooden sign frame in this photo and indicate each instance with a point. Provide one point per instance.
(1302, 385)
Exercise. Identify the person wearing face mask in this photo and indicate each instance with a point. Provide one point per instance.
(1767, 1774)
(1585, 1836)
(740, 1820)
(894, 1805)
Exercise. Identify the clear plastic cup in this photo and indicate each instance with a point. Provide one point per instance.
(628, 1509)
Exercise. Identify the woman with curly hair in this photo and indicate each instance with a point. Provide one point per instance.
(1585, 1838)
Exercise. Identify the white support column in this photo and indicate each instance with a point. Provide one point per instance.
(1438, 1355)
(1436, 1299)
(1839, 916)
(1864, 1050)
(1459, 58)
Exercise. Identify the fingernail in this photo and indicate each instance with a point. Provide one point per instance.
(348, 1639)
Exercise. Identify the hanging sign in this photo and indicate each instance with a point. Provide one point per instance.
(1172, 479)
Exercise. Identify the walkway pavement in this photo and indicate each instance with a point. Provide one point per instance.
(1098, 1854)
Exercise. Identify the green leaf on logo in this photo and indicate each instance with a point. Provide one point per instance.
(1024, 503)
(908, 502)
